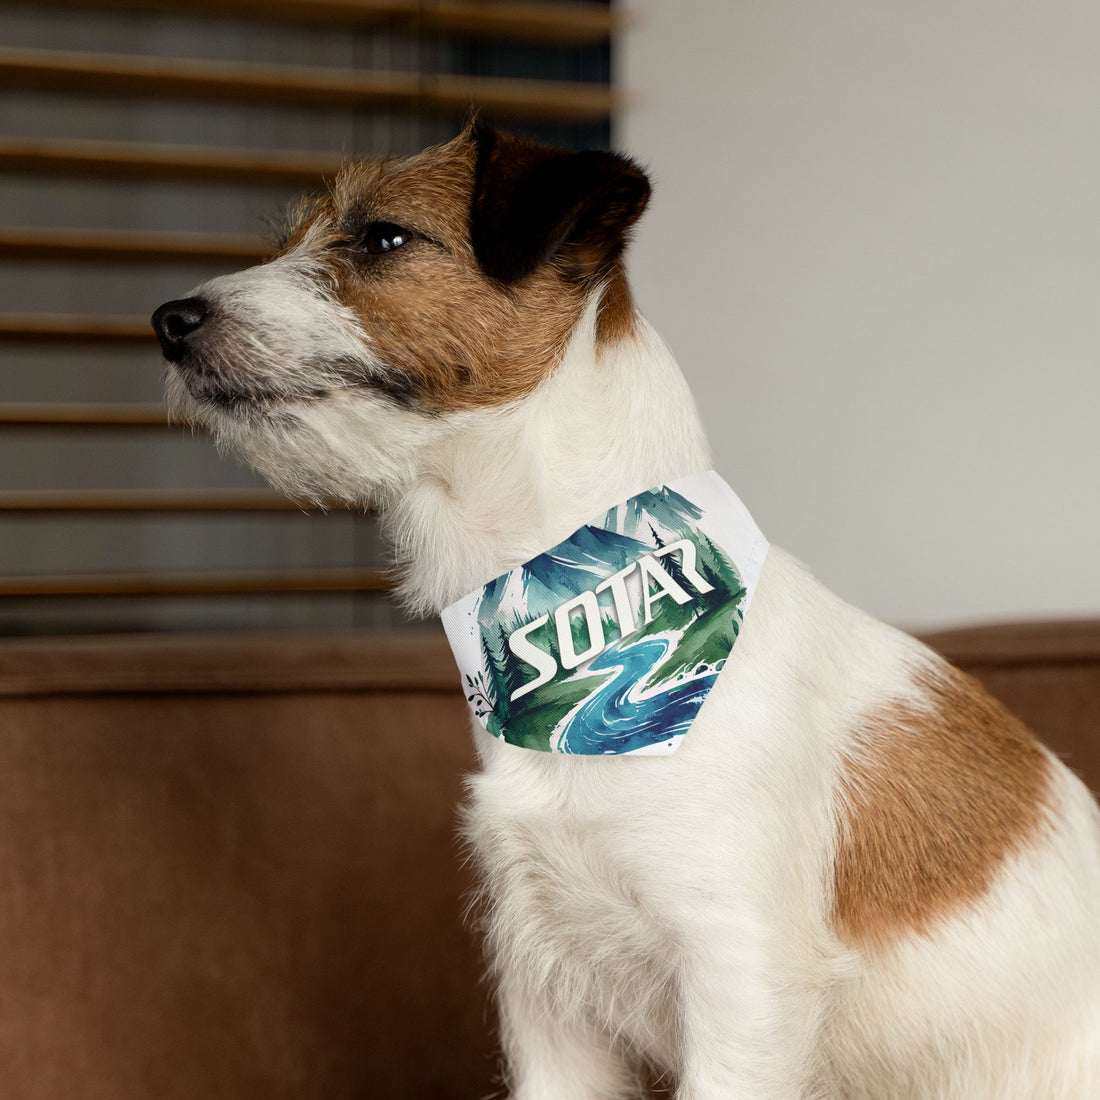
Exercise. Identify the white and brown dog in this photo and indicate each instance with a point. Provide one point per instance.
(859, 877)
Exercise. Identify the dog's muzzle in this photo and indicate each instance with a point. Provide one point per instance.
(175, 322)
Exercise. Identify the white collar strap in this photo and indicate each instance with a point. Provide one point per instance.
(608, 643)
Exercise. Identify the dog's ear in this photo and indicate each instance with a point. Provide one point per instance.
(532, 203)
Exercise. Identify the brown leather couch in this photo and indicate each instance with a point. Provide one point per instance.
(228, 866)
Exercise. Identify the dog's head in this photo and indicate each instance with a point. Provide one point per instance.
(412, 292)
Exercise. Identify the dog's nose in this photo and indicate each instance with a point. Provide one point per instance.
(174, 321)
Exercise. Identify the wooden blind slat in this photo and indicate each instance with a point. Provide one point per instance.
(161, 78)
(130, 246)
(68, 328)
(49, 414)
(514, 19)
(267, 582)
(130, 160)
(575, 25)
(143, 500)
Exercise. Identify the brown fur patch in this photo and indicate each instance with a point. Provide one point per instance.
(932, 803)
(460, 338)
(618, 315)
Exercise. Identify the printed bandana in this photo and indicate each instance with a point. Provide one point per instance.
(609, 642)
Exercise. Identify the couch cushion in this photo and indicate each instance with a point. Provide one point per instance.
(230, 870)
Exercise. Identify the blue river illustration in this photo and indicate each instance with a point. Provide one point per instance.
(623, 716)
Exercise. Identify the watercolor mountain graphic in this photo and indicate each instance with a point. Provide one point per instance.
(641, 690)
(537, 588)
(661, 510)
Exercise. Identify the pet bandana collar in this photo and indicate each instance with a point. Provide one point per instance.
(608, 643)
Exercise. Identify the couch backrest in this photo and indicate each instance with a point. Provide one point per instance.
(1047, 673)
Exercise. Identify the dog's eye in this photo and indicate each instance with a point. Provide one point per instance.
(384, 237)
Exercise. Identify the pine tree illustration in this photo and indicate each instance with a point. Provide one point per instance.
(512, 673)
(496, 648)
(490, 669)
(679, 615)
(673, 566)
(711, 562)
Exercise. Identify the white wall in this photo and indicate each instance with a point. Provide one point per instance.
(875, 248)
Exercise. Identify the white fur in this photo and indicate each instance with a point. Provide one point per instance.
(679, 908)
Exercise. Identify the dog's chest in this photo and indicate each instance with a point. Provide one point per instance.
(570, 890)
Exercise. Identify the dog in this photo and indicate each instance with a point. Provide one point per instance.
(857, 877)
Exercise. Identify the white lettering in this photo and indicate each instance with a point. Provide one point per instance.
(624, 613)
(527, 651)
(651, 569)
(586, 601)
(689, 551)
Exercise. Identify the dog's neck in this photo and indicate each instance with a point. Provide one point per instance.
(612, 419)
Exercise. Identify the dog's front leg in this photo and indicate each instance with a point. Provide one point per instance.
(553, 1055)
(749, 1029)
